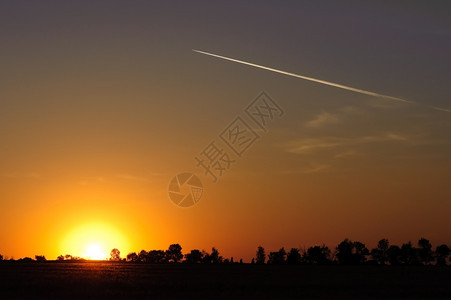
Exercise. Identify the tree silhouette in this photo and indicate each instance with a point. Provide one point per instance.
(26, 259)
(293, 257)
(143, 256)
(351, 253)
(261, 256)
(278, 257)
(441, 253)
(394, 255)
(214, 257)
(347, 253)
(174, 253)
(1, 257)
(409, 254)
(379, 253)
(425, 251)
(195, 256)
(133, 257)
(205, 257)
(360, 252)
(344, 252)
(40, 258)
(115, 255)
(156, 257)
(317, 255)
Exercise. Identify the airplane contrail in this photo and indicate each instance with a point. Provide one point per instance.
(317, 80)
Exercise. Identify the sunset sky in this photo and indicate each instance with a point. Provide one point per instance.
(102, 103)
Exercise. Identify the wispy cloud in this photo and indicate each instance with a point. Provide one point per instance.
(132, 177)
(311, 168)
(351, 110)
(347, 153)
(322, 119)
(316, 168)
(309, 145)
(123, 176)
(138, 178)
(329, 118)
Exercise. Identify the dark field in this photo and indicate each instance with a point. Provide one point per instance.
(127, 280)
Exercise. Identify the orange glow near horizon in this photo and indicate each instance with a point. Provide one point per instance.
(93, 241)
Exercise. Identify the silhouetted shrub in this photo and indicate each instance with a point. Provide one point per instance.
(317, 255)
(133, 257)
(351, 253)
(261, 256)
(40, 258)
(213, 258)
(425, 251)
(157, 257)
(294, 257)
(441, 253)
(277, 258)
(195, 256)
(409, 255)
(115, 255)
(379, 254)
(26, 259)
(174, 253)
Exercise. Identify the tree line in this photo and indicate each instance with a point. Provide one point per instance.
(356, 253)
(346, 253)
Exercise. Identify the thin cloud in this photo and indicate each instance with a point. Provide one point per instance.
(137, 178)
(346, 154)
(316, 168)
(309, 145)
(132, 177)
(306, 146)
(322, 119)
(351, 110)
(310, 169)
(329, 118)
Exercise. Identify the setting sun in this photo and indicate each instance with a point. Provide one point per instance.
(93, 241)
(96, 252)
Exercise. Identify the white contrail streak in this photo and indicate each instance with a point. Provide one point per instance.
(306, 78)
(316, 80)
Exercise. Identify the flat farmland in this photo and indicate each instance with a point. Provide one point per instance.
(106, 280)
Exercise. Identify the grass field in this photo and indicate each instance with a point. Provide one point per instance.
(126, 280)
